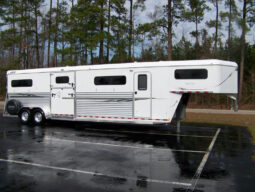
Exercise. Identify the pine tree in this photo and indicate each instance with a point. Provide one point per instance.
(248, 17)
(195, 14)
(231, 15)
(56, 34)
(142, 32)
(9, 20)
(36, 4)
(49, 34)
(108, 31)
(130, 35)
(119, 28)
(216, 24)
(174, 11)
(102, 19)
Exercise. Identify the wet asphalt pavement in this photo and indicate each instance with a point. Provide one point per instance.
(68, 156)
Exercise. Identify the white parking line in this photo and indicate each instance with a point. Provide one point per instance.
(148, 147)
(94, 173)
(204, 160)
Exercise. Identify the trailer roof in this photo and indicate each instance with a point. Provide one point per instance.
(128, 65)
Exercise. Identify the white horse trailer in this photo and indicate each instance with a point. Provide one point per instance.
(145, 93)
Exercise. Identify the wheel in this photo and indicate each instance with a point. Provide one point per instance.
(25, 116)
(38, 117)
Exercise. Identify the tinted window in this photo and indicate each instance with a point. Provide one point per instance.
(191, 74)
(110, 80)
(62, 79)
(142, 82)
(22, 83)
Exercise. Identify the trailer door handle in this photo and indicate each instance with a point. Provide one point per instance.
(71, 94)
(53, 94)
(135, 92)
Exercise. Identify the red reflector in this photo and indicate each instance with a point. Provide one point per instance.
(96, 116)
(91, 116)
(122, 117)
(129, 118)
(115, 117)
(85, 116)
(142, 118)
(103, 117)
(109, 117)
(165, 120)
(205, 91)
(150, 119)
(158, 119)
(197, 91)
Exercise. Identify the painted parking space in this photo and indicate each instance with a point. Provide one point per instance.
(107, 159)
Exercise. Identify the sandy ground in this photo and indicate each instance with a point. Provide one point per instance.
(228, 119)
(221, 111)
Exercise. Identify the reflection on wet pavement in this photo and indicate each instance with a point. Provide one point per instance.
(72, 156)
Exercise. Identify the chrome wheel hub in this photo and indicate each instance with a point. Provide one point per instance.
(38, 117)
(24, 116)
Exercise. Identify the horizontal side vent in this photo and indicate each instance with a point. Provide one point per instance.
(105, 104)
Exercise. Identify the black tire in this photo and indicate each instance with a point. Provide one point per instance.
(38, 117)
(13, 107)
(25, 116)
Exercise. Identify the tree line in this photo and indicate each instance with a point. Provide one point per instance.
(35, 33)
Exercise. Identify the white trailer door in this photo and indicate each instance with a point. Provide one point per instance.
(62, 94)
(142, 91)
